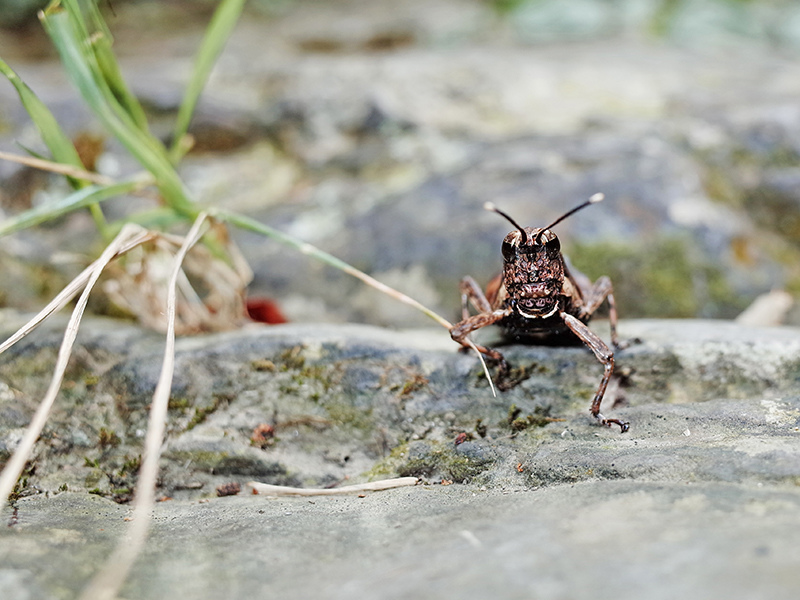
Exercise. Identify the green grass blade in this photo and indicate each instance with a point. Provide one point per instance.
(112, 75)
(73, 9)
(83, 71)
(58, 142)
(249, 224)
(96, 50)
(102, 41)
(87, 196)
(155, 219)
(97, 19)
(31, 151)
(217, 34)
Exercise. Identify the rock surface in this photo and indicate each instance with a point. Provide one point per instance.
(602, 539)
(378, 133)
(701, 494)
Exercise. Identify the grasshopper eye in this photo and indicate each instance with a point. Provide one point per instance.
(553, 244)
(509, 250)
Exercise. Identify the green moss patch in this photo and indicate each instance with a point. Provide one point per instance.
(664, 278)
(436, 461)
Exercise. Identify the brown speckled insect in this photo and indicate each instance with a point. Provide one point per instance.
(537, 298)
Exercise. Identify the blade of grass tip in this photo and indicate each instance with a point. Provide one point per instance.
(217, 34)
(108, 581)
(16, 463)
(30, 151)
(483, 364)
(287, 240)
(249, 224)
(85, 197)
(84, 73)
(70, 291)
(57, 167)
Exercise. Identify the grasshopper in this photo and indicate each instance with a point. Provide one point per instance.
(537, 298)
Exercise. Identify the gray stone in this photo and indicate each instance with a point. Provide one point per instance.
(378, 134)
(601, 539)
(522, 494)
(359, 393)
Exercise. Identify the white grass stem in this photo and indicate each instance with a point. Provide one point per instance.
(71, 290)
(16, 463)
(107, 582)
(265, 489)
(483, 364)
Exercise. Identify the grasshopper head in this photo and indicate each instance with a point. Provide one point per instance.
(533, 268)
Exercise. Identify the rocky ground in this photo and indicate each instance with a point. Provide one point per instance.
(378, 134)
(537, 499)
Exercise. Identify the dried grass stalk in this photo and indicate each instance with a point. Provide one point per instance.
(210, 291)
(57, 167)
(75, 286)
(265, 489)
(130, 234)
(106, 583)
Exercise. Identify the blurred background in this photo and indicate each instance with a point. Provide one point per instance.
(376, 130)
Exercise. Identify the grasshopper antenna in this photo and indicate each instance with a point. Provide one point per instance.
(593, 200)
(491, 207)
